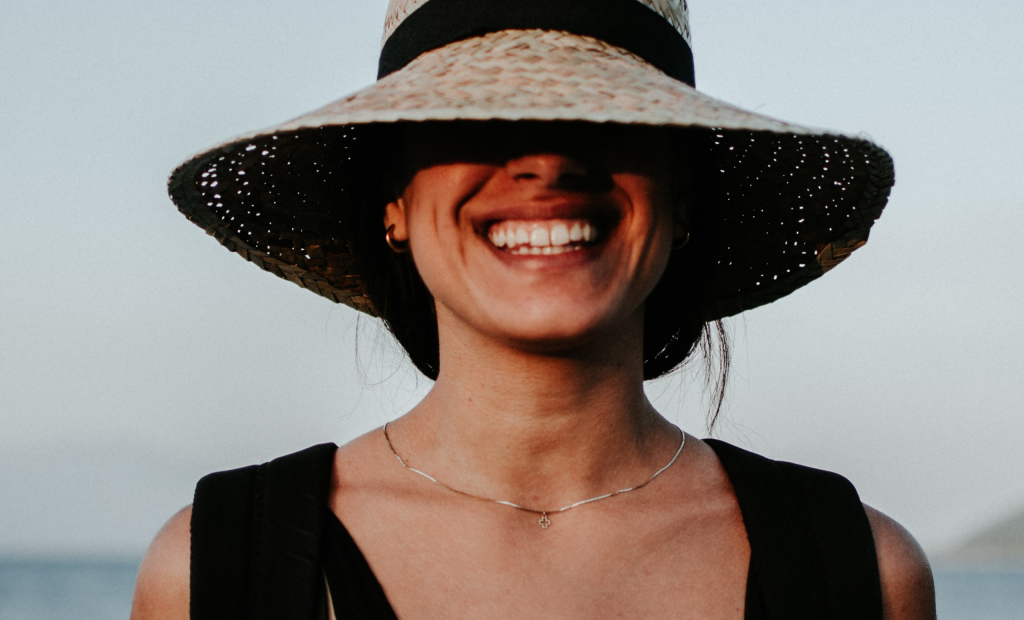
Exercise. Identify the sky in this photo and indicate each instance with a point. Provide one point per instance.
(136, 354)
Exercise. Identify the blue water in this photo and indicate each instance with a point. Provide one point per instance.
(978, 595)
(38, 590)
(41, 590)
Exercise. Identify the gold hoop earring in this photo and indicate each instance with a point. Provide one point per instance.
(681, 242)
(398, 247)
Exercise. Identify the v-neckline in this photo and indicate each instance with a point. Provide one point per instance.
(355, 589)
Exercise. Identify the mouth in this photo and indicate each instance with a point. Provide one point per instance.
(544, 237)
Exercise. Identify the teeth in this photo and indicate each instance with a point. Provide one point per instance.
(559, 234)
(542, 237)
(576, 235)
(545, 251)
(497, 237)
(522, 237)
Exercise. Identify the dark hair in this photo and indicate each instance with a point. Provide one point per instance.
(677, 313)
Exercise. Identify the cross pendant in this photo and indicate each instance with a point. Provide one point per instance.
(544, 521)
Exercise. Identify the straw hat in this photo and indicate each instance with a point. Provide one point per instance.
(794, 202)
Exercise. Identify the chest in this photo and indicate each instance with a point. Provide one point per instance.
(805, 535)
(438, 558)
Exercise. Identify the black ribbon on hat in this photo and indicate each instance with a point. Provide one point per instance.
(628, 24)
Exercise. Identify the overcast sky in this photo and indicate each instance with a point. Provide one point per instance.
(136, 354)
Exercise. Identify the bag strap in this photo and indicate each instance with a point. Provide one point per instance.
(811, 545)
(256, 539)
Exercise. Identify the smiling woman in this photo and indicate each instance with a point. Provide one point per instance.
(545, 213)
(536, 186)
(524, 191)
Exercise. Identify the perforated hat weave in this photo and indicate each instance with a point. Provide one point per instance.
(795, 201)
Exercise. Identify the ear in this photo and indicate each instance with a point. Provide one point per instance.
(395, 216)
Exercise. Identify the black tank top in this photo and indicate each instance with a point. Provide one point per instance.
(263, 540)
(812, 553)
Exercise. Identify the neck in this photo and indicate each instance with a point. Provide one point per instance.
(540, 428)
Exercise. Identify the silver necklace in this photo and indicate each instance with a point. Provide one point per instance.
(544, 521)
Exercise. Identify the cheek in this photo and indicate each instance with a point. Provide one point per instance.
(429, 239)
(436, 234)
(435, 194)
(650, 224)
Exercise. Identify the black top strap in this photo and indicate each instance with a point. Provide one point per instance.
(844, 540)
(222, 516)
(256, 539)
(812, 551)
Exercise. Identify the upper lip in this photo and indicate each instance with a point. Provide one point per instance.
(548, 208)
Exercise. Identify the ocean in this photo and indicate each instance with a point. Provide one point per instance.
(980, 595)
(92, 590)
(48, 589)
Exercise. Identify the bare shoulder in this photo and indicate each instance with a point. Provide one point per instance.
(353, 453)
(908, 592)
(362, 463)
(162, 587)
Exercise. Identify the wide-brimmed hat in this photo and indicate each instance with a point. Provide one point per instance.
(793, 201)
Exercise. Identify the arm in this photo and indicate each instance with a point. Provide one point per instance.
(162, 587)
(908, 592)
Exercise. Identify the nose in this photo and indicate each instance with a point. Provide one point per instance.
(549, 170)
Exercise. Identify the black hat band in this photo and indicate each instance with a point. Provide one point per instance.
(628, 24)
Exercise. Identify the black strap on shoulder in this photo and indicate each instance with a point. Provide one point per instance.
(222, 514)
(256, 539)
(811, 544)
(844, 539)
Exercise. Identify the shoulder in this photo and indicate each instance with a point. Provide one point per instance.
(365, 452)
(364, 471)
(907, 589)
(908, 592)
(162, 587)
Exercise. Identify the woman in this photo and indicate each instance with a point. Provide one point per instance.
(564, 220)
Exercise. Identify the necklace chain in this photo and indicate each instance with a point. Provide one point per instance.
(544, 521)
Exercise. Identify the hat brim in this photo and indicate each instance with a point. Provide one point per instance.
(796, 201)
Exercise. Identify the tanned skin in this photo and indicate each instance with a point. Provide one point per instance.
(540, 402)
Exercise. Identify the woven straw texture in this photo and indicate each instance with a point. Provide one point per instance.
(797, 201)
(534, 75)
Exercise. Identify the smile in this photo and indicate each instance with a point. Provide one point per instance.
(542, 237)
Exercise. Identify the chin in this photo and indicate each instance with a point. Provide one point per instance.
(554, 328)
